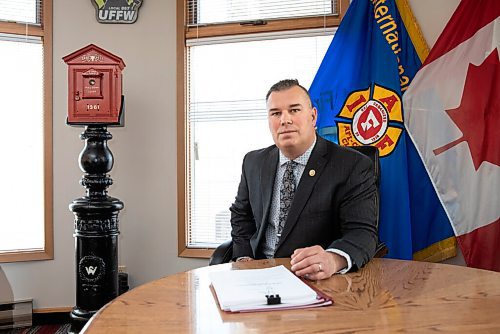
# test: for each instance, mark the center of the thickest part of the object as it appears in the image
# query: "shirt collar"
(302, 159)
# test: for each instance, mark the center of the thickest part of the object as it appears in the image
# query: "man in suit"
(304, 197)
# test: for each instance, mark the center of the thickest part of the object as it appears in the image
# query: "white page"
(246, 289)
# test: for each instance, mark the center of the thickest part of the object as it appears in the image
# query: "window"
(230, 53)
(26, 136)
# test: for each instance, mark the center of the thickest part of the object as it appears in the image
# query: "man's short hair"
(287, 84)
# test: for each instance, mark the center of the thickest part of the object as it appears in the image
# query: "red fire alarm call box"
(94, 87)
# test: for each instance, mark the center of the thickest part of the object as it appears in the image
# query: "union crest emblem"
(370, 117)
(117, 11)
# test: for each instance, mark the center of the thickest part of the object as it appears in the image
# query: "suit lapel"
(267, 176)
(316, 162)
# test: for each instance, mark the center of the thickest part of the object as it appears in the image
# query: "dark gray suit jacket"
(335, 208)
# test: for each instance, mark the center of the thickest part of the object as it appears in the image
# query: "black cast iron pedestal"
(96, 229)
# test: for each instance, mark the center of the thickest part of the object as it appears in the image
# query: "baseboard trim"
(53, 309)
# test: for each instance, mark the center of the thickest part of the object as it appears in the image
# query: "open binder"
(265, 289)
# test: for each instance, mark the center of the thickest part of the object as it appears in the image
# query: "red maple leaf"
(478, 115)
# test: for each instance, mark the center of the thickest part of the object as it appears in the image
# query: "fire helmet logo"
(365, 119)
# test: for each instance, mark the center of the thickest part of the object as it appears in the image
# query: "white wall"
(432, 16)
(144, 150)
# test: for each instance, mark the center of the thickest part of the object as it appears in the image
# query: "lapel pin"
(312, 172)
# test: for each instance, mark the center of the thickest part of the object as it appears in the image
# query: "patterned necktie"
(287, 191)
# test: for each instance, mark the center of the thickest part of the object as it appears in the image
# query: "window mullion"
(227, 29)
(21, 29)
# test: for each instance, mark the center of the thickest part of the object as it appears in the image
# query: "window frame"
(218, 30)
(45, 32)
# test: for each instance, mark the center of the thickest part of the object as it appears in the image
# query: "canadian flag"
(452, 114)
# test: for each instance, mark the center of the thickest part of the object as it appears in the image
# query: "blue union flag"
(358, 90)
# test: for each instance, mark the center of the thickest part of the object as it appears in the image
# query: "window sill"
(21, 256)
(200, 253)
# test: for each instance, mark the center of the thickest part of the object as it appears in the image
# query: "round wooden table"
(386, 296)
